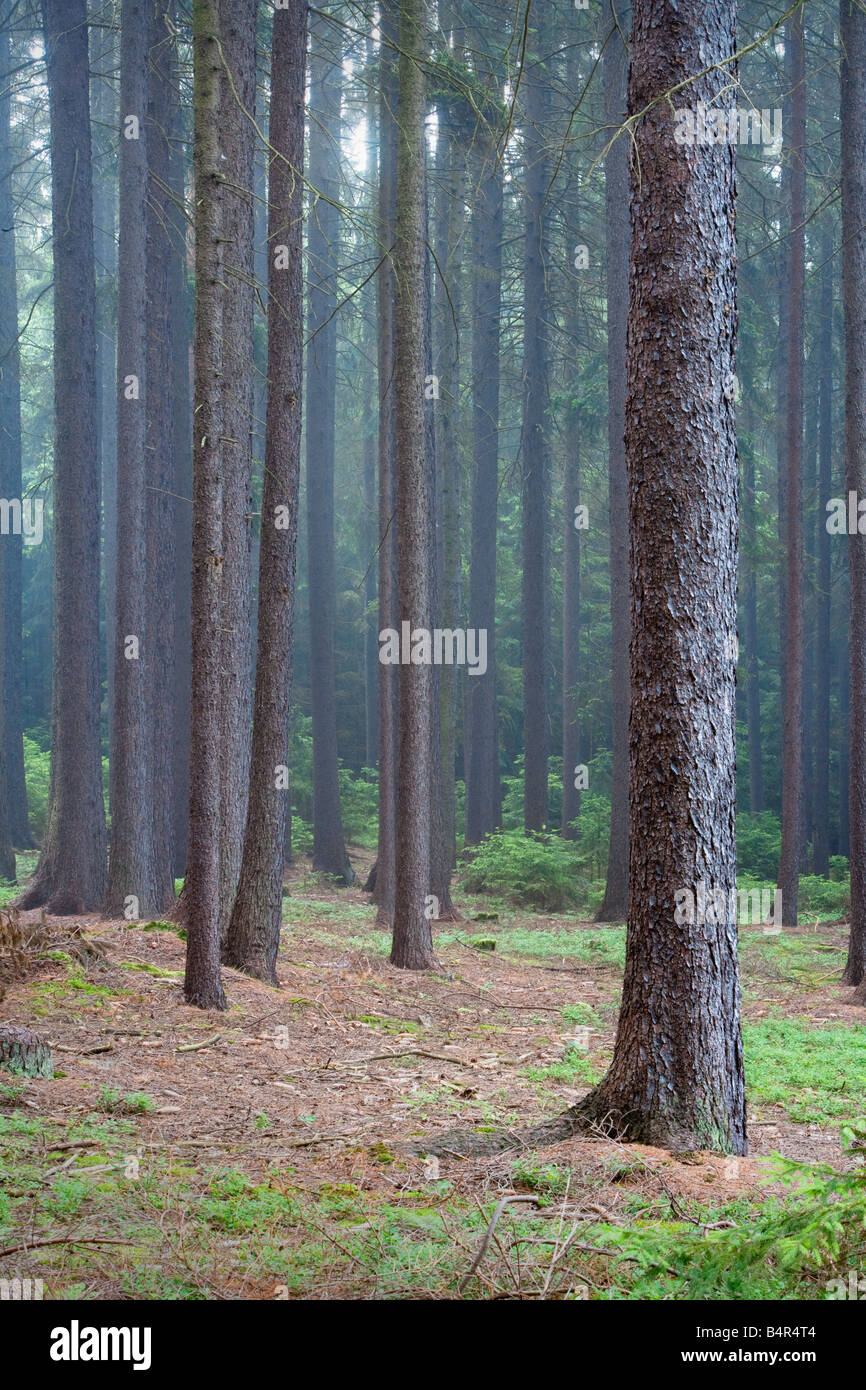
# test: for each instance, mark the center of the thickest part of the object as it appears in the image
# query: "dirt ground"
(334, 1077)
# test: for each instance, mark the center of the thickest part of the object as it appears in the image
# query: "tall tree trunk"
(70, 876)
(615, 74)
(15, 789)
(388, 523)
(132, 885)
(182, 435)
(412, 944)
(371, 644)
(237, 139)
(323, 234)
(254, 933)
(571, 518)
(202, 983)
(750, 634)
(792, 753)
(483, 800)
(821, 845)
(104, 97)
(535, 443)
(853, 141)
(676, 1079)
(165, 247)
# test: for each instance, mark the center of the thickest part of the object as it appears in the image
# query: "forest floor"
(264, 1152)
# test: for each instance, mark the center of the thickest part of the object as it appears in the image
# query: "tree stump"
(24, 1053)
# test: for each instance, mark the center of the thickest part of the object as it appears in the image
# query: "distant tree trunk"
(132, 887)
(15, 789)
(676, 1079)
(535, 447)
(412, 945)
(70, 876)
(483, 801)
(182, 433)
(104, 96)
(821, 845)
(202, 984)
(254, 933)
(323, 233)
(750, 635)
(165, 247)
(237, 139)
(388, 526)
(617, 235)
(792, 753)
(450, 201)
(853, 142)
(371, 643)
(571, 533)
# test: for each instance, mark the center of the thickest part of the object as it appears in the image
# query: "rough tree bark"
(535, 443)
(10, 462)
(676, 1079)
(385, 868)
(254, 933)
(853, 140)
(617, 237)
(165, 375)
(237, 144)
(412, 944)
(792, 751)
(70, 876)
(202, 983)
(323, 233)
(483, 798)
(132, 888)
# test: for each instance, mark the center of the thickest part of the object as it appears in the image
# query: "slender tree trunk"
(202, 984)
(104, 122)
(792, 753)
(853, 142)
(483, 800)
(385, 874)
(165, 247)
(615, 61)
(750, 635)
(70, 876)
(323, 223)
(254, 933)
(371, 644)
(412, 945)
(535, 446)
(237, 139)
(821, 846)
(571, 533)
(132, 888)
(10, 466)
(676, 1079)
(182, 432)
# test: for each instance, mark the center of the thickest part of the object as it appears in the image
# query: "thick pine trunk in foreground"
(323, 232)
(792, 749)
(70, 876)
(254, 932)
(853, 135)
(202, 983)
(676, 1079)
(412, 944)
(617, 236)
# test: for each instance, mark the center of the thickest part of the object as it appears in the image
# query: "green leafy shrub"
(529, 870)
